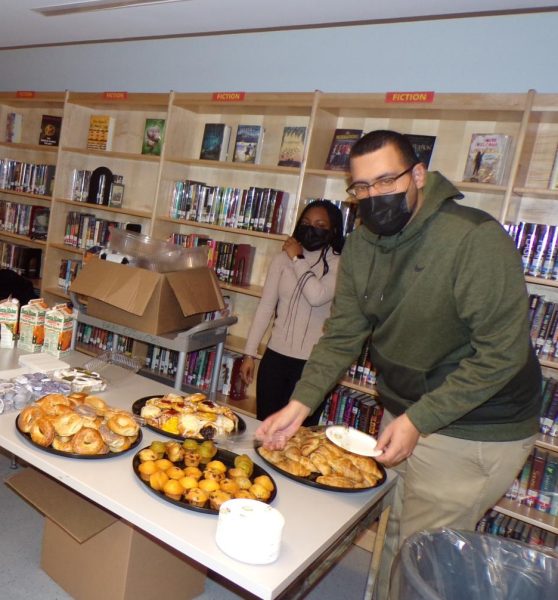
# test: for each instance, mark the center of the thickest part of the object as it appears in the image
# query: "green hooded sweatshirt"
(446, 303)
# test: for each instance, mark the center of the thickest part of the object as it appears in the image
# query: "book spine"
(537, 472)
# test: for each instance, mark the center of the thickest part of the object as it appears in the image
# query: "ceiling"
(21, 26)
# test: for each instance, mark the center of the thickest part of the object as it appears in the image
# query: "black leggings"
(277, 377)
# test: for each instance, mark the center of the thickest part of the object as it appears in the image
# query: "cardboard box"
(151, 302)
(92, 554)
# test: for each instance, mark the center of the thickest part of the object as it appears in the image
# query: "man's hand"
(276, 430)
(398, 440)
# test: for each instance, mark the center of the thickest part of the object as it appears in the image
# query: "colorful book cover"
(248, 144)
(291, 151)
(423, 145)
(100, 133)
(51, 126)
(341, 144)
(153, 136)
(215, 142)
(487, 158)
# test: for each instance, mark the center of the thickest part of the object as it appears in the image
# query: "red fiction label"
(115, 95)
(228, 96)
(25, 94)
(409, 97)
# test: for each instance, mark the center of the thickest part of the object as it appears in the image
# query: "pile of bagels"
(78, 424)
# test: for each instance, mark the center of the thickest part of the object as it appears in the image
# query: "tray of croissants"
(199, 476)
(310, 458)
(190, 416)
(78, 426)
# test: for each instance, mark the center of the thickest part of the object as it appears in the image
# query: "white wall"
(488, 54)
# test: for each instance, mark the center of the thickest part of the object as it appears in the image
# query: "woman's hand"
(247, 370)
(292, 247)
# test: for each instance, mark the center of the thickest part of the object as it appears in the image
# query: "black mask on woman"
(385, 215)
(311, 238)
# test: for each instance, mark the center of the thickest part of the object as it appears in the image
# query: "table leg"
(370, 591)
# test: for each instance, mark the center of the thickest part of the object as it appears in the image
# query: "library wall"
(485, 54)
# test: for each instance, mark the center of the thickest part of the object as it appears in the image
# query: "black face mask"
(311, 238)
(385, 215)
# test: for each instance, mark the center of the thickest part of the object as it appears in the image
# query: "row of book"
(24, 219)
(21, 259)
(100, 186)
(100, 340)
(231, 262)
(349, 212)
(29, 178)
(355, 409)
(502, 525)
(69, 268)
(84, 230)
(549, 409)
(538, 245)
(362, 370)
(49, 134)
(257, 209)
(543, 323)
(536, 485)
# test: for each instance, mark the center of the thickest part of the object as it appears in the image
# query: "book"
(13, 127)
(153, 136)
(50, 130)
(535, 479)
(423, 145)
(553, 181)
(291, 151)
(101, 132)
(38, 227)
(487, 160)
(340, 149)
(215, 142)
(248, 144)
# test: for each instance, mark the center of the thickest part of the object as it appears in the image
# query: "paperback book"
(101, 132)
(13, 127)
(488, 156)
(341, 144)
(553, 182)
(423, 145)
(292, 147)
(248, 144)
(153, 135)
(50, 130)
(215, 142)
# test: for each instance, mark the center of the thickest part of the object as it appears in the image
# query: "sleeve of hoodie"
(344, 335)
(491, 298)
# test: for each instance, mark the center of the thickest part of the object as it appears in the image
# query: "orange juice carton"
(59, 326)
(9, 316)
(32, 325)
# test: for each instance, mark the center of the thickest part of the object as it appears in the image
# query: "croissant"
(294, 468)
(320, 462)
(309, 446)
(273, 456)
(366, 465)
(344, 467)
(335, 481)
(293, 452)
(307, 463)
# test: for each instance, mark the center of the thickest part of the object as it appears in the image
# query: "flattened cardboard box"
(92, 554)
(147, 301)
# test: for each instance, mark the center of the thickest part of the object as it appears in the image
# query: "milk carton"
(59, 325)
(9, 314)
(32, 325)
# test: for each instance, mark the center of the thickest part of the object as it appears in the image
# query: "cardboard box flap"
(126, 288)
(198, 292)
(79, 517)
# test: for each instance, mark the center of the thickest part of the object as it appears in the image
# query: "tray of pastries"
(78, 426)
(200, 477)
(191, 416)
(310, 458)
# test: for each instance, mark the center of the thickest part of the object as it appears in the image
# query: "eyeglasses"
(385, 185)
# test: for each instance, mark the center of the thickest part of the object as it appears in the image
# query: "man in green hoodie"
(441, 288)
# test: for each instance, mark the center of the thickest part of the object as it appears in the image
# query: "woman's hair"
(335, 219)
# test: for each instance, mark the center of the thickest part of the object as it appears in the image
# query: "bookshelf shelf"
(33, 147)
(530, 515)
(249, 290)
(547, 442)
(539, 281)
(58, 292)
(66, 248)
(366, 389)
(111, 155)
(143, 214)
(537, 192)
(26, 196)
(22, 239)
(234, 166)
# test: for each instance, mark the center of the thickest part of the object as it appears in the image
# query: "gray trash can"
(460, 565)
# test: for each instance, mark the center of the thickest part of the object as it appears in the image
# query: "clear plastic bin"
(456, 565)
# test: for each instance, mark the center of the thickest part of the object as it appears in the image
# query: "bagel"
(62, 444)
(68, 424)
(28, 416)
(123, 424)
(42, 432)
(88, 441)
(97, 403)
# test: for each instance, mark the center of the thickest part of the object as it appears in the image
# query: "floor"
(21, 577)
